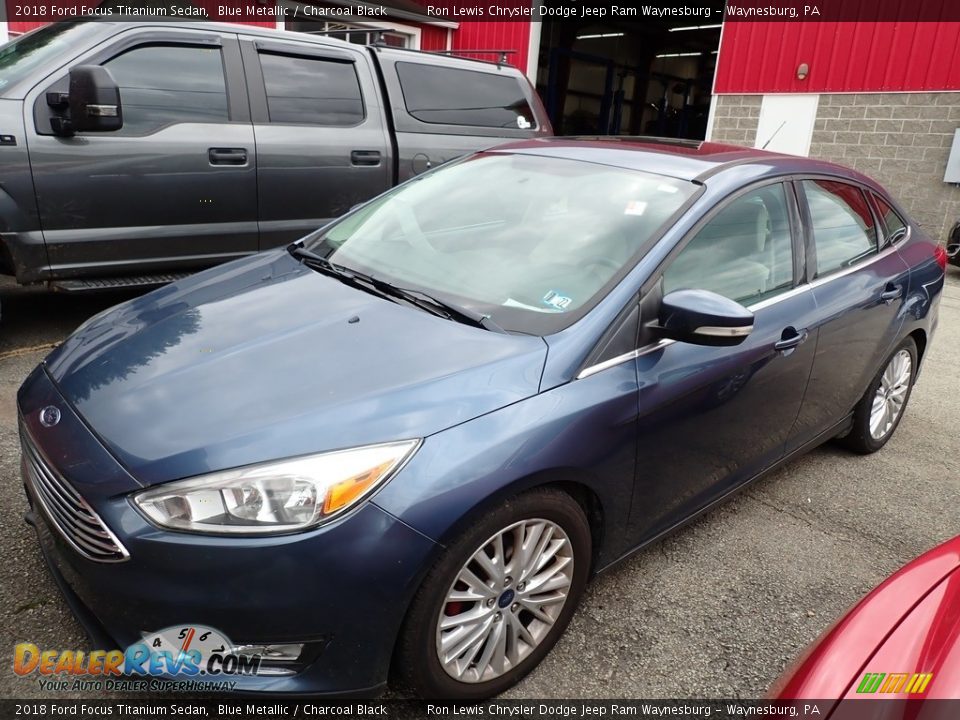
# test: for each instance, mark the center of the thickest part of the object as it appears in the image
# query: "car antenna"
(770, 140)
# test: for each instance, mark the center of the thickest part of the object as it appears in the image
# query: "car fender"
(578, 434)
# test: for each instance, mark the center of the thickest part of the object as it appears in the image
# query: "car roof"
(693, 160)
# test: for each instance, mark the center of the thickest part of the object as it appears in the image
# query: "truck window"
(311, 91)
(452, 96)
(165, 84)
(19, 57)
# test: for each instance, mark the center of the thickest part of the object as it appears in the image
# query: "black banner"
(704, 12)
(866, 709)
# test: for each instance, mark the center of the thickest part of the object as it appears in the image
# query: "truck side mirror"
(93, 102)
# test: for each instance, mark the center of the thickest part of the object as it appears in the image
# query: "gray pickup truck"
(133, 153)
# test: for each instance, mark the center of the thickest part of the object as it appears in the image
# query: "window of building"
(451, 96)
(843, 227)
(357, 34)
(165, 84)
(311, 91)
(745, 252)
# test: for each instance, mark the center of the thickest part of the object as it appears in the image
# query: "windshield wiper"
(417, 298)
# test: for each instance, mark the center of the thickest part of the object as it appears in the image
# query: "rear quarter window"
(894, 226)
(843, 226)
(453, 96)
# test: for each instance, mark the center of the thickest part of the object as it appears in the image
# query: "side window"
(744, 252)
(451, 96)
(843, 226)
(311, 91)
(165, 84)
(893, 225)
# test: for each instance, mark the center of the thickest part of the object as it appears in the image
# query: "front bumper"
(342, 588)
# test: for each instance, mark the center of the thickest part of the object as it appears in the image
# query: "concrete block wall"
(735, 119)
(900, 139)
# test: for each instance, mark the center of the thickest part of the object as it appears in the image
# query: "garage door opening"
(636, 76)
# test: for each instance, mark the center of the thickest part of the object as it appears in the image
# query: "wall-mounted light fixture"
(802, 71)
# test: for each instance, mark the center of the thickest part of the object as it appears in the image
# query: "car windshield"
(21, 56)
(532, 242)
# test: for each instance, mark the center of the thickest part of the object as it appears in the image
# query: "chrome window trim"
(793, 292)
(619, 359)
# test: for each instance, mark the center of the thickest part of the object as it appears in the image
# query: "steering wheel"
(601, 261)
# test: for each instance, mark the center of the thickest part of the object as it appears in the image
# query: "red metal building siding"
(492, 35)
(22, 26)
(762, 57)
(433, 38)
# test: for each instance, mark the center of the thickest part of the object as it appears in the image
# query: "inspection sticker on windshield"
(635, 207)
(556, 300)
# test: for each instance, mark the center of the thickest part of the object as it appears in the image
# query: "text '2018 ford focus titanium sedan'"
(401, 446)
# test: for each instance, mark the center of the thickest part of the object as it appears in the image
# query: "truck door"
(175, 187)
(322, 143)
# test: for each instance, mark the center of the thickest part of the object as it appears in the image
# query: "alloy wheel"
(505, 600)
(891, 394)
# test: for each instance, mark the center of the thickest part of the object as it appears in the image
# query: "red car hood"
(909, 624)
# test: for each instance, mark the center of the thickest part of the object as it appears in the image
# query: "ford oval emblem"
(49, 416)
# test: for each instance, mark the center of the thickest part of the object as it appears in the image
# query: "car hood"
(264, 359)
(907, 624)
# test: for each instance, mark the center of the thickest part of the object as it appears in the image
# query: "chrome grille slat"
(41, 466)
(51, 484)
(79, 534)
(66, 509)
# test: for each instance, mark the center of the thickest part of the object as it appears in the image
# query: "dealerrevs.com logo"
(184, 657)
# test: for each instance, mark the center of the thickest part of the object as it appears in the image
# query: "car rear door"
(322, 140)
(860, 290)
(175, 187)
(711, 418)
(443, 108)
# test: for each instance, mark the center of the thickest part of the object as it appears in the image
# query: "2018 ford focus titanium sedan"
(401, 446)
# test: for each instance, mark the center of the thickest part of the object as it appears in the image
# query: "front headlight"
(276, 497)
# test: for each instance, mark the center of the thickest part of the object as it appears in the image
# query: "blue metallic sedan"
(399, 448)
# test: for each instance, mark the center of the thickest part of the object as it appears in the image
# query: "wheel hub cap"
(504, 601)
(891, 394)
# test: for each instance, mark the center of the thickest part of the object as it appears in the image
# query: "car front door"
(322, 141)
(860, 292)
(175, 187)
(711, 418)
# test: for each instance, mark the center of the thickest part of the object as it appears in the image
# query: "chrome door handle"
(790, 341)
(891, 293)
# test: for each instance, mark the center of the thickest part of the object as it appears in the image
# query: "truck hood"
(264, 359)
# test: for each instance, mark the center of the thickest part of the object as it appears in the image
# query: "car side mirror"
(93, 102)
(701, 317)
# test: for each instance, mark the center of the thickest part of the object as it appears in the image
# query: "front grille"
(67, 511)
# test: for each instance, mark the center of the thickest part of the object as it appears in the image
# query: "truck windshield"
(532, 242)
(20, 57)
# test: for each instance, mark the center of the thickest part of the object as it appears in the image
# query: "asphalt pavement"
(716, 610)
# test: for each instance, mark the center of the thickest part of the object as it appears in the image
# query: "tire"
(502, 608)
(864, 439)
